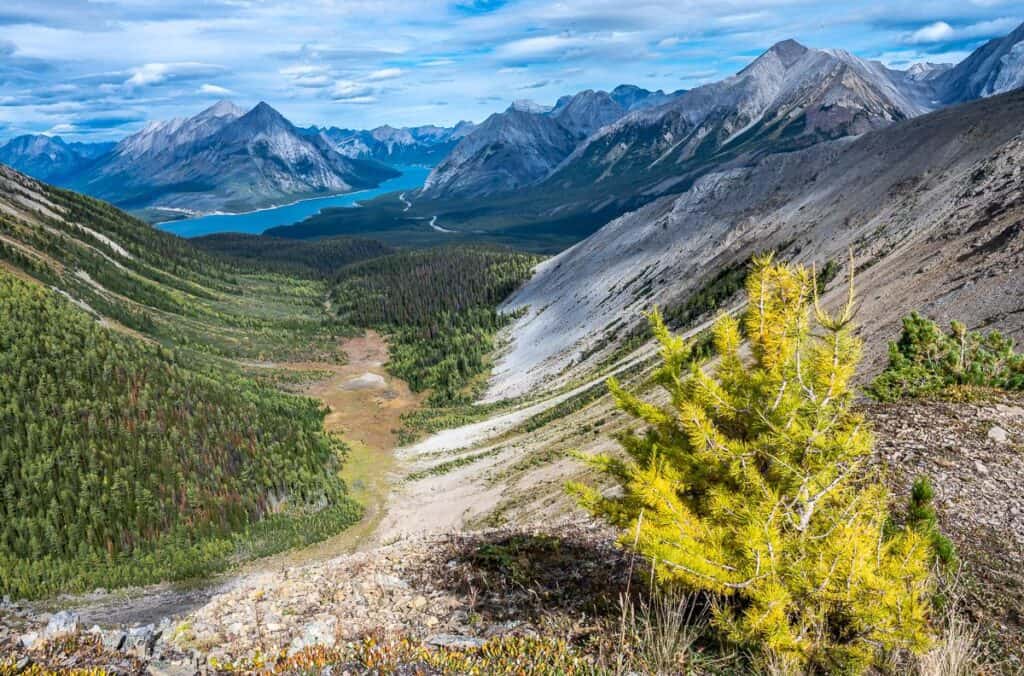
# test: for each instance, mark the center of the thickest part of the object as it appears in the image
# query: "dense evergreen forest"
(438, 307)
(307, 258)
(110, 446)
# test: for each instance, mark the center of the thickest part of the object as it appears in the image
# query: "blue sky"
(96, 70)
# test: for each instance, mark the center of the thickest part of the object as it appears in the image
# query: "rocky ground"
(444, 591)
(973, 453)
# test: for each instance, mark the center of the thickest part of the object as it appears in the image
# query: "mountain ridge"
(912, 201)
(49, 158)
(221, 159)
(424, 144)
(486, 160)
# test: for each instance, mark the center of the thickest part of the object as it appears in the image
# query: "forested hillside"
(307, 258)
(439, 308)
(120, 465)
(132, 450)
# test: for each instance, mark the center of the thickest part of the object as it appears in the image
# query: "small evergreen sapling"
(750, 486)
(921, 516)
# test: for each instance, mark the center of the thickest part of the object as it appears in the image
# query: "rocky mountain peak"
(788, 51)
(527, 106)
(222, 108)
(264, 113)
(921, 72)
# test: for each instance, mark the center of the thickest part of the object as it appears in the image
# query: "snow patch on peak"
(922, 72)
(528, 106)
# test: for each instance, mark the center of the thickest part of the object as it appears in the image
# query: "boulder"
(28, 640)
(64, 622)
(113, 639)
(319, 632)
(140, 640)
(998, 434)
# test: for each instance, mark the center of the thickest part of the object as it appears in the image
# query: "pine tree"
(750, 486)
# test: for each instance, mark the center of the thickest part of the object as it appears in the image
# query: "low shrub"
(927, 361)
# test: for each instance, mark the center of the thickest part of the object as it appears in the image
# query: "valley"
(724, 379)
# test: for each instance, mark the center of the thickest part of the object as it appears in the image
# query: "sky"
(95, 70)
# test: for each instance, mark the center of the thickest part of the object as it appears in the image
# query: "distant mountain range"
(428, 144)
(789, 97)
(567, 168)
(524, 143)
(223, 159)
(50, 158)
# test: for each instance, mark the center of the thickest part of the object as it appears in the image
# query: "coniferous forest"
(120, 464)
(439, 307)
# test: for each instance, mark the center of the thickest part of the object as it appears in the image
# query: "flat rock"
(367, 381)
(454, 641)
(320, 632)
(64, 622)
(998, 434)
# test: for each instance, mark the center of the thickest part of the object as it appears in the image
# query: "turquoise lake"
(255, 222)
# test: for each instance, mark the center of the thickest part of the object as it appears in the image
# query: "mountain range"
(543, 178)
(526, 141)
(789, 97)
(222, 159)
(50, 158)
(427, 144)
(558, 171)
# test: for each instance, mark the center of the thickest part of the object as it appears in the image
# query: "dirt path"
(366, 405)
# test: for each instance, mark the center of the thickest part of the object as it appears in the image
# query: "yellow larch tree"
(750, 485)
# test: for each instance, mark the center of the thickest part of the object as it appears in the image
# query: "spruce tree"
(750, 486)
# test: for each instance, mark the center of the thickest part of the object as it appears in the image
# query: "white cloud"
(383, 74)
(302, 69)
(347, 90)
(358, 100)
(567, 46)
(940, 31)
(935, 32)
(156, 73)
(216, 90)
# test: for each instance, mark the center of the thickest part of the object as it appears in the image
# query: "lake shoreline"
(257, 221)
